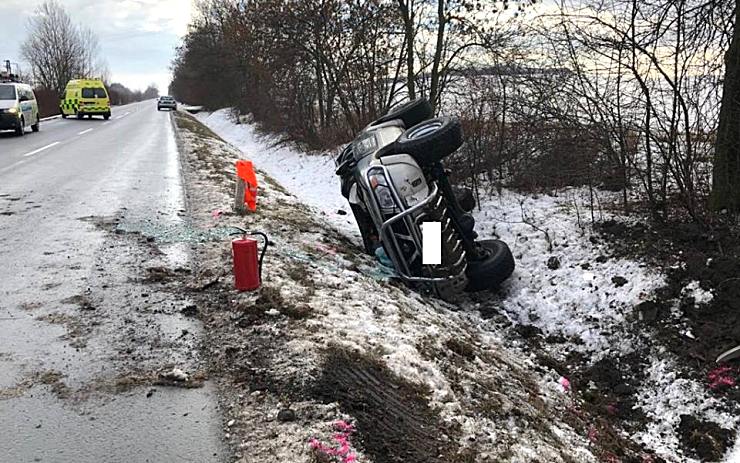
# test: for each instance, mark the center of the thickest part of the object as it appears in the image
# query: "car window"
(98, 92)
(7, 92)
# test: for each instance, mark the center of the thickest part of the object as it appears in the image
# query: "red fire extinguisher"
(247, 267)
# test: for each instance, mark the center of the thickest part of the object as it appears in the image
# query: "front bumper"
(9, 121)
(167, 105)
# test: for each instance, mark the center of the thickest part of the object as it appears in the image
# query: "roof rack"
(6, 75)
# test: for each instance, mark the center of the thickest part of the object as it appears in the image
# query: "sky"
(137, 37)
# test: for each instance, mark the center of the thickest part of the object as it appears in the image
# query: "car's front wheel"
(106, 116)
(21, 129)
(496, 265)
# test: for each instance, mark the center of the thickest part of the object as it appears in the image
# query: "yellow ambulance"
(85, 97)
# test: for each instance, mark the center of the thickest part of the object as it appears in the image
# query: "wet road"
(78, 327)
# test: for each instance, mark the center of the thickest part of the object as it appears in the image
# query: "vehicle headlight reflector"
(382, 191)
(13, 110)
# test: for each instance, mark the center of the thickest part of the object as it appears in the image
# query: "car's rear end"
(94, 101)
(166, 102)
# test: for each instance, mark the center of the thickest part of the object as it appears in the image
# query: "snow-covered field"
(583, 296)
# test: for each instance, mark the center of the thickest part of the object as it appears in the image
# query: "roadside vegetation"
(601, 143)
(620, 95)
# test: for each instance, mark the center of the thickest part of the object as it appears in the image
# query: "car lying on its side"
(166, 102)
(394, 178)
(18, 108)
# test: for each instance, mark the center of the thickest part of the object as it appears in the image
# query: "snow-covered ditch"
(564, 284)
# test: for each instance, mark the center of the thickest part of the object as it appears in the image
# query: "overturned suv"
(393, 177)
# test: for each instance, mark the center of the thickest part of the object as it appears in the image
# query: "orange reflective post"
(245, 171)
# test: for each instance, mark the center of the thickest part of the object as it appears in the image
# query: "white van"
(18, 108)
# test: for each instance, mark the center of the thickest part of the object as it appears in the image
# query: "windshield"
(7, 92)
(94, 93)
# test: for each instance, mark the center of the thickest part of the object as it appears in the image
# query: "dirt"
(687, 252)
(393, 418)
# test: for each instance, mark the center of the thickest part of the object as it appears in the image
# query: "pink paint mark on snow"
(721, 377)
(342, 452)
(564, 383)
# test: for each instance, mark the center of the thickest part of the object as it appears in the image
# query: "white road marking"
(106, 122)
(123, 115)
(84, 132)
(41, 149)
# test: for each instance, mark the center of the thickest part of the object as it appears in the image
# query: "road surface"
(82, 331)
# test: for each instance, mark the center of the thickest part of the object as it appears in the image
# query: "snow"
(701, 296)
(579, 300)
(310, 177)
(665, 397)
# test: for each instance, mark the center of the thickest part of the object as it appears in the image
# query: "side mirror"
(23, 98)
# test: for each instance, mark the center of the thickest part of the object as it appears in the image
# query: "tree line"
(635, 96)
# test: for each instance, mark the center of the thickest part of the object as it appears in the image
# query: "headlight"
(382, 192)
(12, 110)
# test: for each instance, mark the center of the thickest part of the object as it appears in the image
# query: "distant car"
(18, 108)
(85, 97)
(166, 102)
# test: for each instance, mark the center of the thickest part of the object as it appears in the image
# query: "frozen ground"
(568, 290)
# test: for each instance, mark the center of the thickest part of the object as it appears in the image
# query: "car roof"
(85, 82)
(17, 84)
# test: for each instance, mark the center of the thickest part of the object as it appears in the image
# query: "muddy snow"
(558, 365)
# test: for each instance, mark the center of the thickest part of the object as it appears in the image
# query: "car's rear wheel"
(106, 116)
(411, 112)
(79, 115)
(490, 271)
(428, 142)
(35, 127)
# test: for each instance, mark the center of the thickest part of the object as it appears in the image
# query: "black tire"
(64, 116)
(429, 141)
(464, 198)
(89, 116)
(158, 108)
(21, 130)
(79, 115)
(490, 272)
(106, 116)
(370, 239)
(35, 127)
(411, 113)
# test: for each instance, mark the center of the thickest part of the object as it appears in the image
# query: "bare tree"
(58, 50)
(726, 180)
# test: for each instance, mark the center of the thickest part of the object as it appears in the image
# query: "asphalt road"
(77, 322)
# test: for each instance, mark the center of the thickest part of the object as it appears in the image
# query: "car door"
(26, 103)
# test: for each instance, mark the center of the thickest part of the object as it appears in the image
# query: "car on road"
(85, 97)
(18, 108)
(166, 102)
